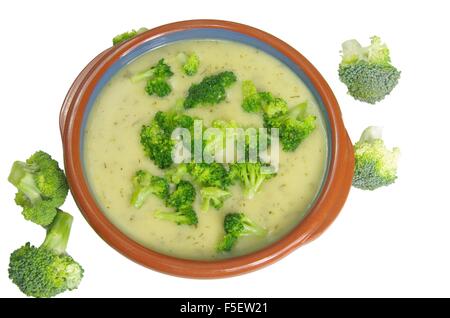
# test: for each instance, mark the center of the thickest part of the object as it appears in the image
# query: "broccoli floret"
(170, 120)
(209, 174)
(184, 195)
(47, 270)
(237, 225)
(272, 106)
(184, 215)
(375, 165)
(251, 176)
(190, 63)
(145, 184)
(367, 71)
(210, 91)
(177, 173)
(251, 101)
(215, 145)
(156, 77)
(157, 145)
(156, 137)
(127, 35)
(213, 196)
(42, 187)
(294, 126)
(254, 101)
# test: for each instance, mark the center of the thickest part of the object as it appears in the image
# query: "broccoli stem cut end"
(58, 233)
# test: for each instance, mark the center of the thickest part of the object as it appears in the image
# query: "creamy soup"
(113, 152)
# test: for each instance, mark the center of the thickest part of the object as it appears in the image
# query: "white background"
(391, 242)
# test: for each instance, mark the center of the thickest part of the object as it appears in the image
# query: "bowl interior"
(204, 34)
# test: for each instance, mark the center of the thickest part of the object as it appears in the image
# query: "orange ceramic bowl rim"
(331, 199)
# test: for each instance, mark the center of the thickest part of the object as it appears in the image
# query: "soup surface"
(113, 152)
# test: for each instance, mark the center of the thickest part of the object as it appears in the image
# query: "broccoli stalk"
(237, 225)
(375, 165)
(47, 270)
(251, 176)
(42, 187)
(210, 91)
(367, 71)
(145, 184)
(213, 196)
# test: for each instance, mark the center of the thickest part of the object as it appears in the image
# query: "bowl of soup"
(105, 111)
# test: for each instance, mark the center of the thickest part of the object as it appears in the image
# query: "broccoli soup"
(181, 210)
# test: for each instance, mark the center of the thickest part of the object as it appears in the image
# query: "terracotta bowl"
(87, 85)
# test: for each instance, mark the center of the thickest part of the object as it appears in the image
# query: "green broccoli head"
(237, 225)
(184, 195)
(251, 176)
(254, 101)
(212, 196)
(157, 145)
(294, 126)
(42, 187)
(118, 39)
(184, 215)
(367, 71)
(251, 101)
(210, 91)
(209, 174)
(145, 184)
(47, 270)
(375, 165)
(156, 78)
(156, 138)
(190, 63)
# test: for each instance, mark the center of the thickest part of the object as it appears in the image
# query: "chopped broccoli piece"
(367, 71)
(272, 106)
(251, 176)
(156, 77)
(157, 145)
(210, 91)
(156, 137)
(184, 195)
(215, 145)
(375, 165)
(145, 184)
(237, 225)
(209, 175)
(177, 173)
(42, 187)
(294, 126)
(254, 101)
(158, 86)
(47, 270)
(251, 101)
(118, 39)
(191, 63)
(184, 215)
(213, 196)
